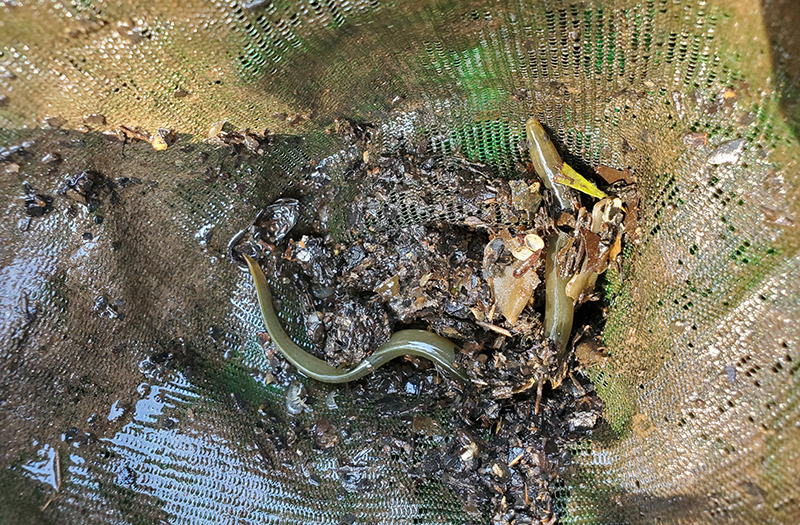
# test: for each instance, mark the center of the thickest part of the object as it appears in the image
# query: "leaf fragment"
(569, 177)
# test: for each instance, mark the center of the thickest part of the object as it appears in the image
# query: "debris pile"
(497, 266)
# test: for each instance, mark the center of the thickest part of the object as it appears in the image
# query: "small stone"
(582, 420)
(727, 153)
(54, 122)
(51, 158)
(695, 140)
(3, 101)
(163, 139)
(218, 127)
(95, 119)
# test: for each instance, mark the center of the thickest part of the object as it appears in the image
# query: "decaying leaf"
(569, 177)
(511, 294)
(390, 287)
(594, 251)
(504, 255)
(611, 175)
(593, 248)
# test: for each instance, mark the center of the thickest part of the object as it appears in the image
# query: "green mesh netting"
(133, 388)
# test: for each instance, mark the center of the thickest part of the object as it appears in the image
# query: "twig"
(538, 397)
(494, 328)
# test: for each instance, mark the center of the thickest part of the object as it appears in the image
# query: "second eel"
(404, 342)
(556, 175)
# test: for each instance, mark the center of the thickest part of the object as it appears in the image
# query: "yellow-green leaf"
(569, 177)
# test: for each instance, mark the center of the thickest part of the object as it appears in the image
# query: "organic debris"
(36, 204)
(611, 175)
(79, 187)
(223, 133)
(163, 139)
(268, 228)
(441, 244)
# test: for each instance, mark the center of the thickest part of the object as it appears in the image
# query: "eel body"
(546, 161)
(404, 342)
(554, 172)
(559, 307)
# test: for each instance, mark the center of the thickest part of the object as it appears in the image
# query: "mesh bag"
(133, 388)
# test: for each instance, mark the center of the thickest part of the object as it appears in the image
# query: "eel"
(554, 172)
(546, 161)
(559, 307)
(419, 343)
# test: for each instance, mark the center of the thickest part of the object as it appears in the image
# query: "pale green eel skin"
(558, 309)
(405, 342)
(546, 161)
